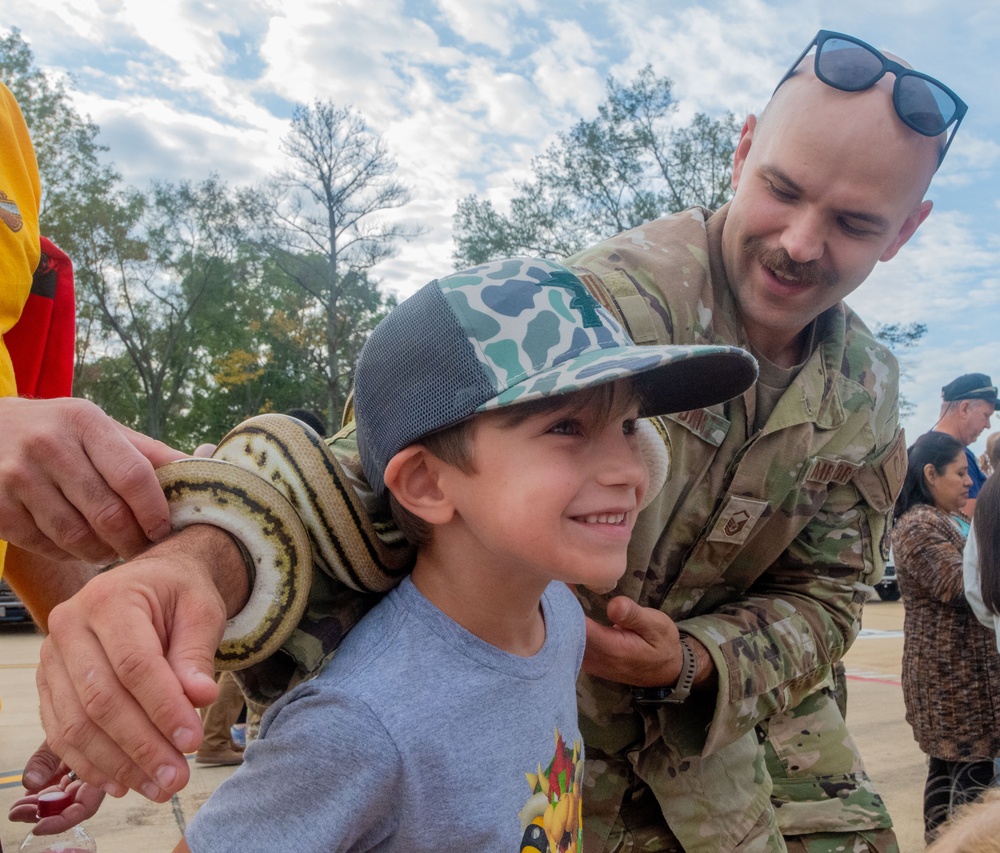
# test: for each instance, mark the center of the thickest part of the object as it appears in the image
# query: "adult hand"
(130, 657)
(45, 765)
(641, 647)
(76, 484)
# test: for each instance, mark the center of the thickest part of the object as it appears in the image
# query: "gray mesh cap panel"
(416, 374)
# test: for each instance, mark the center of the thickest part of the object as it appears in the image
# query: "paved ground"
(134, 825)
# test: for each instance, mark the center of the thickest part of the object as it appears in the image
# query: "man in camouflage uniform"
(761, 549)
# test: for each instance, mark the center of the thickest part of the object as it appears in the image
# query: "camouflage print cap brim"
(539, 332)
(507, 332)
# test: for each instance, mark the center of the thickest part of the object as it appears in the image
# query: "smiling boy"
(499, 407)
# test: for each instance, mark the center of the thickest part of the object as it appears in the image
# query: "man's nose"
(804, 236)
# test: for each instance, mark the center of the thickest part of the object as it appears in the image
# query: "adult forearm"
(216, 554)
(41, 583)
(773, 647)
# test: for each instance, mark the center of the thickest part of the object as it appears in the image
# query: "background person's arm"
(42, 583)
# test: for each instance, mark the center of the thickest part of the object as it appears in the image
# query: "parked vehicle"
(11, 608)
(888, 587)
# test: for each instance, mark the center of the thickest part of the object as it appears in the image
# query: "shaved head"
(868, 116)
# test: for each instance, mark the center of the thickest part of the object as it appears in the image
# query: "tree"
(898, 336)
(166, 278)
(328, 207)
(66, 147)
(618, 170)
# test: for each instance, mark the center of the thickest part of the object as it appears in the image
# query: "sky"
(465, 93)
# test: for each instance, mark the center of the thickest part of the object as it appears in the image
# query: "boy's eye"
(567, 426)
(630, 426)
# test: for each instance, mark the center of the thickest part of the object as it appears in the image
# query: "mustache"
(778, 260)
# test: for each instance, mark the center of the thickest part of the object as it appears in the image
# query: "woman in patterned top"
(951, 668)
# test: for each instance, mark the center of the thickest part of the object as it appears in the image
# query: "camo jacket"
(761, 546)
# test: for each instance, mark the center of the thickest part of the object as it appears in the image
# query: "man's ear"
(742, 149)
(414, 477)
(910, 226)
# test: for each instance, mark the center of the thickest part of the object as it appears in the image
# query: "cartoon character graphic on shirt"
(552, 818)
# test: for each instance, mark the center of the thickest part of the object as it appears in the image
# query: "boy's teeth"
(606, 518)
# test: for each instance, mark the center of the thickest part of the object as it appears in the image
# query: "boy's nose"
(622, 463)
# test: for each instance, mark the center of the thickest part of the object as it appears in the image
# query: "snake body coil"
(275, 486)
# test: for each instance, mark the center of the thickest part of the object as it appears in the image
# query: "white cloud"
(947, 270)
(491, 23)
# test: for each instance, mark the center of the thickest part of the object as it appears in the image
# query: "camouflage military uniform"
(762, 546)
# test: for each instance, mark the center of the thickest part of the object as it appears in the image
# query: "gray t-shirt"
(418, 736)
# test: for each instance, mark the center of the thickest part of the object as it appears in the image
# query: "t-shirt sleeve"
(323, 776)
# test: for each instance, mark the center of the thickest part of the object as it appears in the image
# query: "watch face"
(655, 695)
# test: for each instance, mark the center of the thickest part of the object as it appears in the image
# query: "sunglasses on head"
(849, 64)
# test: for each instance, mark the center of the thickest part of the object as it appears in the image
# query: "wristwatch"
(644, 696)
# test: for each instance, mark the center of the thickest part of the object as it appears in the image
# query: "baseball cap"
(971, 386)
(507, 332)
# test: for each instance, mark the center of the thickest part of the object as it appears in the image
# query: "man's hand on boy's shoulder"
(130, 657)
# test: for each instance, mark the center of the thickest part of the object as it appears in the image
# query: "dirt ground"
(876, 718)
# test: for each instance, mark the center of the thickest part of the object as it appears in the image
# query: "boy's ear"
(414, 477)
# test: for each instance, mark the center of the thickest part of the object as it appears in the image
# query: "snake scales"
(297, 507)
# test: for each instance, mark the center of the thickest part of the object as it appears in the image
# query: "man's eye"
(853, 230)
(780, 194)
(630, 426)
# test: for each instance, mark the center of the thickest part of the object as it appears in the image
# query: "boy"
(499, 407)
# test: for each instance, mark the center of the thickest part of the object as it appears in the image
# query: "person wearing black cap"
(966, 406)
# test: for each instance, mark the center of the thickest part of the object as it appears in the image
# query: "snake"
(297, 504)
(294, 507)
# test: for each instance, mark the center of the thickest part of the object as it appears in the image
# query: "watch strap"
(644, 696)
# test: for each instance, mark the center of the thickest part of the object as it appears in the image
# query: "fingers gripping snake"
(297, 507)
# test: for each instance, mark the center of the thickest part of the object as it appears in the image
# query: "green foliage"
(899, 336)
(74, 180)
(322, 225)
(625, 167)
(161, 290)
(199, 305)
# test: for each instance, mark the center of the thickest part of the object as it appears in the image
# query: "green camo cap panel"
(525, 316)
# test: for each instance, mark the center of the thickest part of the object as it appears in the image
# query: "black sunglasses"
(923, 104)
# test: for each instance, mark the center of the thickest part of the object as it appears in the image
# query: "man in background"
(967, 403)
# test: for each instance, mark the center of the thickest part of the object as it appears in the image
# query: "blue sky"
(465, 93)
